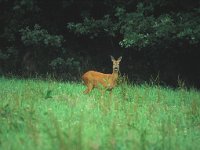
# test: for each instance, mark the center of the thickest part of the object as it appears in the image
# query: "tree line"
(64, 38)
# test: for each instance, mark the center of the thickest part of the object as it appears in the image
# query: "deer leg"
(110, 93)
(89, 88)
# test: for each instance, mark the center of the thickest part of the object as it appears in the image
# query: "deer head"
(116, 63)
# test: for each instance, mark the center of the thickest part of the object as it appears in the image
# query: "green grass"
(45, 115)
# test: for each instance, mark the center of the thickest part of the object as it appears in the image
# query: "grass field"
(50, 115)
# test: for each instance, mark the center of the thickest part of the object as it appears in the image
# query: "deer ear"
(119, 59)
(112, 58)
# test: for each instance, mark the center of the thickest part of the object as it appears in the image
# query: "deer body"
(94, 79)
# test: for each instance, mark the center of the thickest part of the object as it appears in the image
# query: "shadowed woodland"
(47, 46)
(158, 39)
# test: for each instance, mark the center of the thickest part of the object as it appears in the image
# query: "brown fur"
(94, 79)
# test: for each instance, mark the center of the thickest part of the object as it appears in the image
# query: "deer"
(94, 79)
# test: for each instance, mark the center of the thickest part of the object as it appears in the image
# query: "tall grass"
(41, 115)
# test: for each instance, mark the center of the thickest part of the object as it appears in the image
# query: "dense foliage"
(156, 38)
(142, 28)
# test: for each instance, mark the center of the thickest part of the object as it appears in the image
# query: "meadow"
(52, 115)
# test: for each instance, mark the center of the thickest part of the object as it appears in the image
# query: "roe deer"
(108, 81)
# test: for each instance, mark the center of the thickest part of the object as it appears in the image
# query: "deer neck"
(115, 75)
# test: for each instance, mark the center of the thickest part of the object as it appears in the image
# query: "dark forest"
(159, 40)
